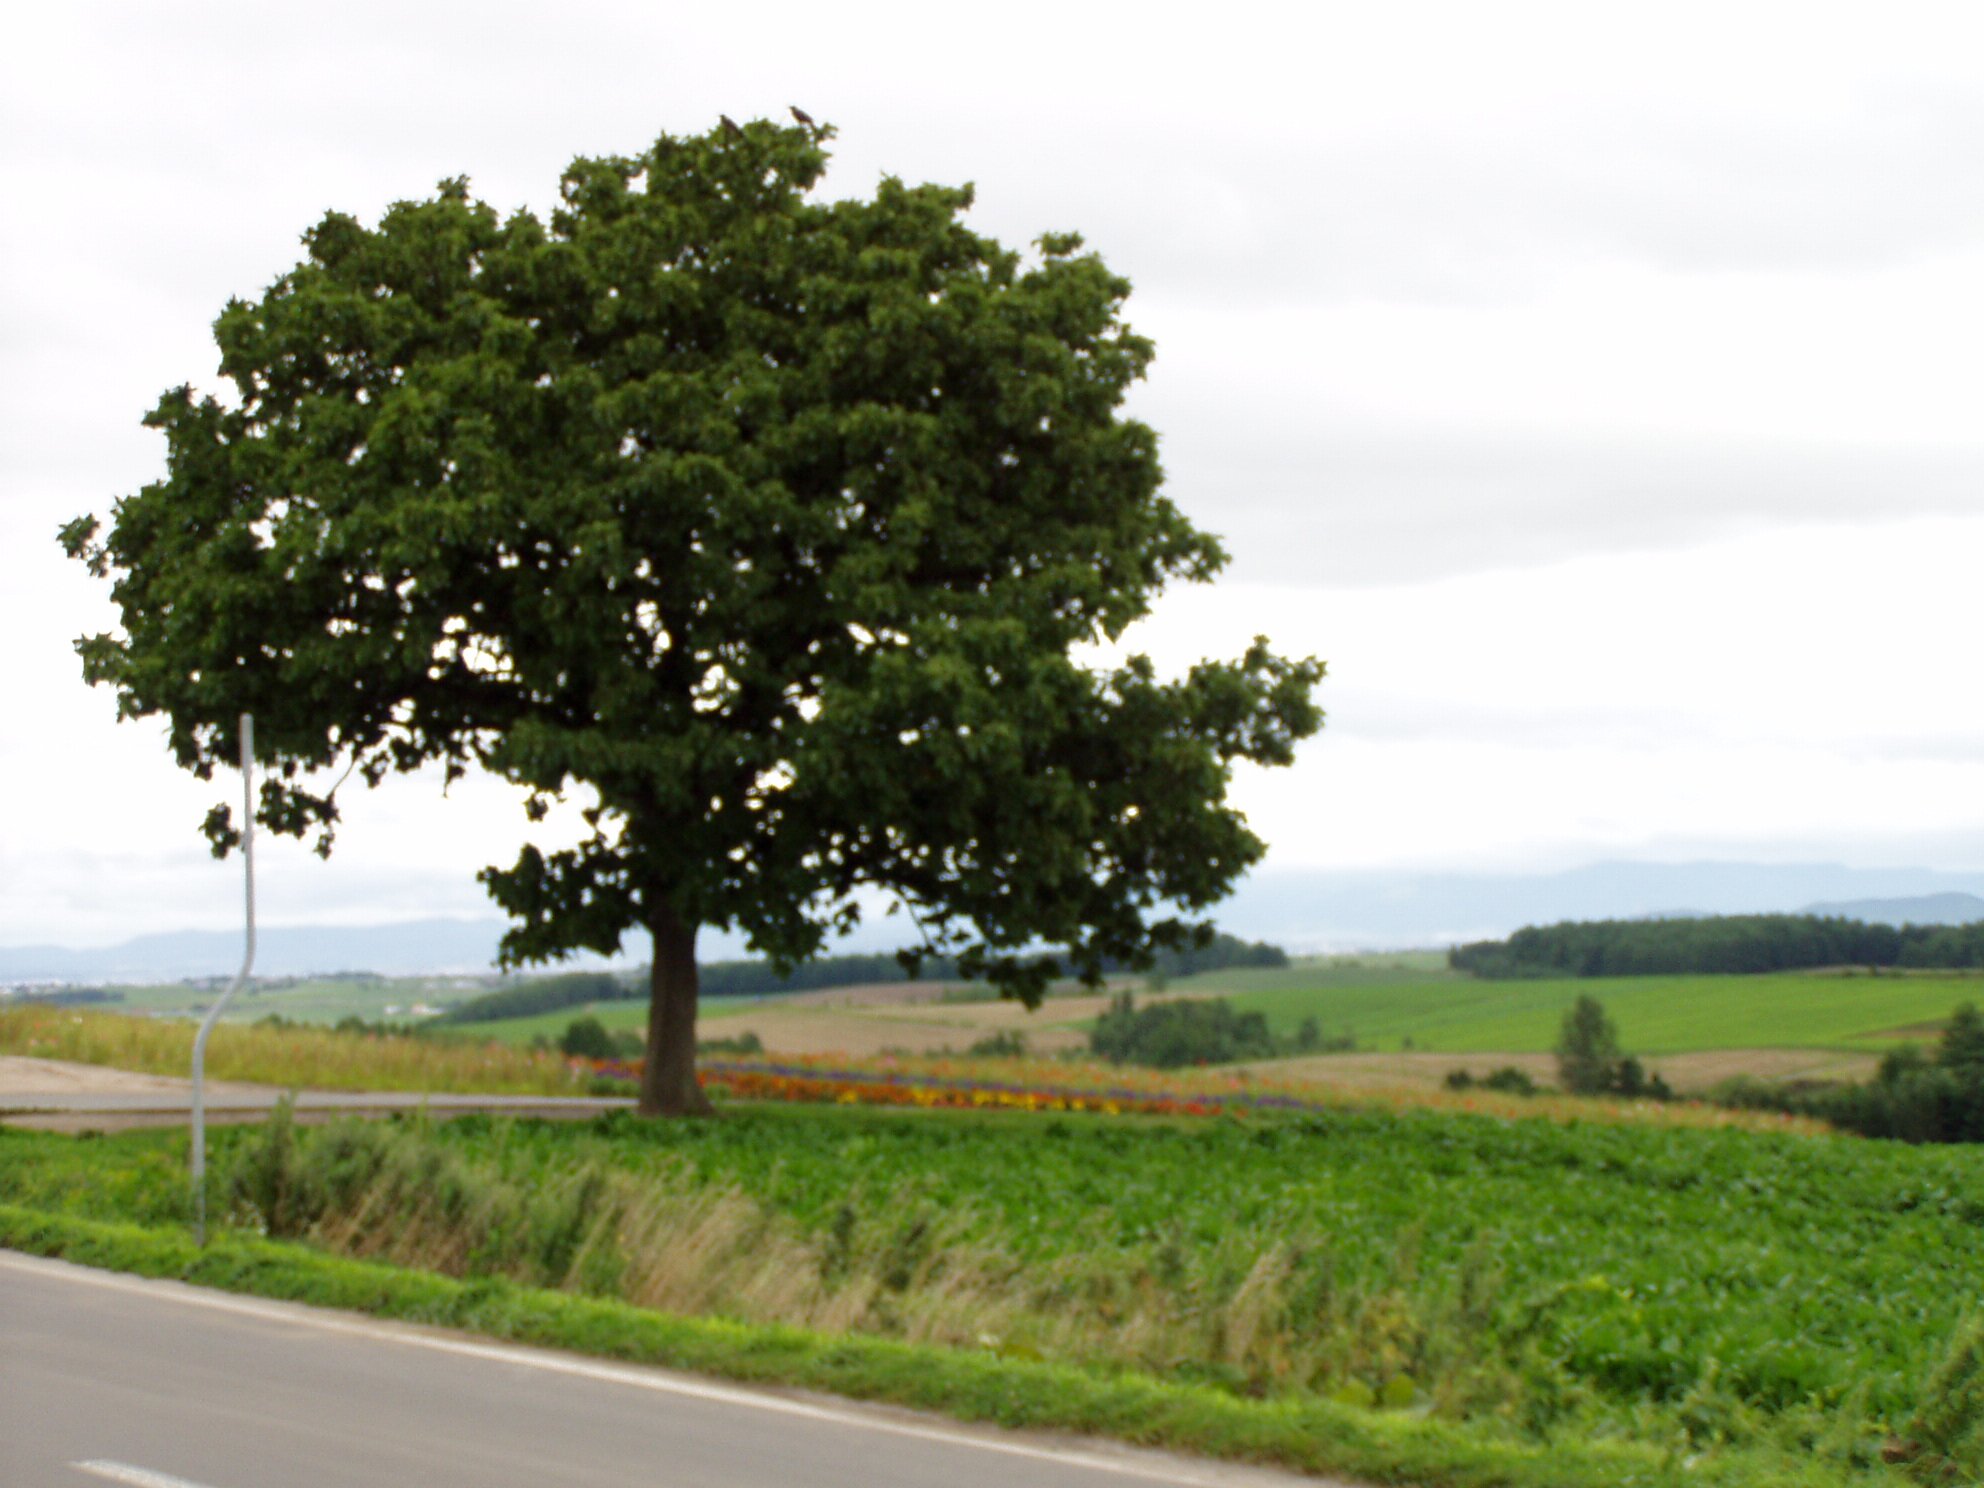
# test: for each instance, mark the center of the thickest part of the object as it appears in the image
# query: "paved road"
(107, 1378)
(70, 1097)
(117, 1110)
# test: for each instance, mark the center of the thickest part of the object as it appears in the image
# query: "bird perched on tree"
(801, 115)
(729, 124)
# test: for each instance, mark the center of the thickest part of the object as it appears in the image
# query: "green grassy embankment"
(1537, 1303)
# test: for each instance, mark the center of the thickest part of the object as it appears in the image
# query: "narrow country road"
(60, 1096)
(108, 1378)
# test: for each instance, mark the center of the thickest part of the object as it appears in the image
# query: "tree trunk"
(668, 1078)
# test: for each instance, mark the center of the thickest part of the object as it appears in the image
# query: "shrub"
(1634, 1081)
(1310, 1039)
(1004, 1043)
(586, 1038)
(1508, 1079)
(1962, 1047)
(1169, 1035)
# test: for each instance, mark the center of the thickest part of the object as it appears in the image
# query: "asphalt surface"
(117, 1110)
(107, 1378)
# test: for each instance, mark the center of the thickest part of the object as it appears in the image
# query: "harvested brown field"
(1687, 1073)
(911, 1017)
(798, 1030)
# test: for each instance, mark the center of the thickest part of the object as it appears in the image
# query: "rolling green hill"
(1655, 1015)
(1385, 1000)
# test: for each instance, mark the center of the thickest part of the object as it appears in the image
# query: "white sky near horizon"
(1596, 388)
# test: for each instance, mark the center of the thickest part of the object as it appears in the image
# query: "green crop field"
(1655, 1015)
(1701, 1291)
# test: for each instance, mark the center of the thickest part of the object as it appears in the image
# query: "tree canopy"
(772, 524)
(1587, 1047)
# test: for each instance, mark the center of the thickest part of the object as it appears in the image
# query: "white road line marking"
(295, 1314)
(137, 1477)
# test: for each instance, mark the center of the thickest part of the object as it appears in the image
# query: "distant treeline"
(1916, 1097)
(757, 978)
(1716, 944)
(1222, 953)
(70, 996)
(760, 978)
(540, 995)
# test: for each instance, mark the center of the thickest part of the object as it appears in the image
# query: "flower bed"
(798, 1082)
(939, 1082)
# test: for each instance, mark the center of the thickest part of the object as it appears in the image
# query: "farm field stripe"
(294, 1314)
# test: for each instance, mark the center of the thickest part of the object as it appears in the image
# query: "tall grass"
(1256, 1318)
(289, 1057)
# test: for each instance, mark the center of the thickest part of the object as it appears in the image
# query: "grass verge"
(1306, 1434)
(290, 1057)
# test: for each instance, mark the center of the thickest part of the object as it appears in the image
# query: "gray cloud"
(1385, 716)
(1491, 214)
(1220, 163)
(1357, 507)
(1438, 289)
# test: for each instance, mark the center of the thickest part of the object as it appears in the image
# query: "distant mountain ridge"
(1922, 909)
(1296, 908)
(409, 948)
(1308, 909)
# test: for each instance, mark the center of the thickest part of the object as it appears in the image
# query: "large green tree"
(773, 525)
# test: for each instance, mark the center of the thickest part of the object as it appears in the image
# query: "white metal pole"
(240, 980)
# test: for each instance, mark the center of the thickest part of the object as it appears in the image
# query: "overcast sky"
(1597, 388)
